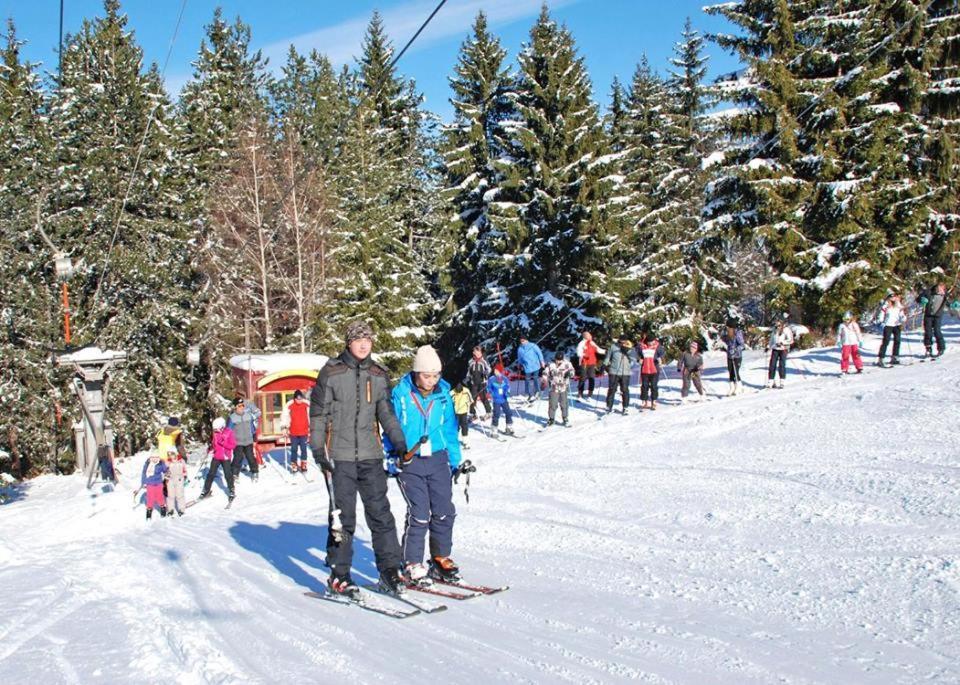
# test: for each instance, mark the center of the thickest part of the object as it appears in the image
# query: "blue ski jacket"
(433, 416)
(530, 357)
(499, 389)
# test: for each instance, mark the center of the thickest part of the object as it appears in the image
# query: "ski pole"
(136, 493)
(336, 526)
(465, 469)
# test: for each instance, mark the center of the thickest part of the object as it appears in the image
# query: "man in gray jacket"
(619, 365)
(348, 405)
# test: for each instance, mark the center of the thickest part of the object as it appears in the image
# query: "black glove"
(322, 459)
(466, 466)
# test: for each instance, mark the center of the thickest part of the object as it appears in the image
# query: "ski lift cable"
(136, 162)
(436, 9)
(312, 164)
(831, 87)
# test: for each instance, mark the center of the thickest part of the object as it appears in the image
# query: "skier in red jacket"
(296, 420)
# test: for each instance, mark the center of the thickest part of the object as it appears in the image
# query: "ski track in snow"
(804, 535)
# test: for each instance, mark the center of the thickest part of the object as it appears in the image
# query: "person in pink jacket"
(222, 447)
(849, 339)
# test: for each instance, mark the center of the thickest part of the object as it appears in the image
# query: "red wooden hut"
(269, 381)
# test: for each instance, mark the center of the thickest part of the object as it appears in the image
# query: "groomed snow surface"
(804, 535)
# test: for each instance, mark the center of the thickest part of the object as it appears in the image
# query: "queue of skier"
(356, 422)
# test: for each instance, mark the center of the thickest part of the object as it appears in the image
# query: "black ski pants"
(241, 452)
(648, 386)
(479, 393)
(463, 422)
(888, 333)
(622, 382)
(370, 480)
(588, 376)
(733, 368)
(931, 330)
(778, 362)
(215, 464)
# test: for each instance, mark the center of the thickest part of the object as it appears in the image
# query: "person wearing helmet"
(222, 447)
(849, 339)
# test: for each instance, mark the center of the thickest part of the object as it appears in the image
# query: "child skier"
(154, 471)
(222, 447)
(691, 368)
(559, 374)
(295, 420)
(425, 409)
(849, 339)
(176, 476)
(499, 389)
(462, 401)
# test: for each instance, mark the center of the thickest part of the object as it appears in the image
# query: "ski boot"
(445, 570)
(416, 574)
(508, 430)
(894, 361)
(303, 466)
(256, 476)
(163, 512)
(549, 422)
(204, 495)
(391, 582)
(149, 514)
(343, 585)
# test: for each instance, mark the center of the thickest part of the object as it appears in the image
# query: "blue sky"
(612, 35)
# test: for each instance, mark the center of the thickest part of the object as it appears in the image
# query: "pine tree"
(224, 98)
(381, 275)
(30, 313)
(754, 196)
(681, 274)
(555, 285)
(639, 164)
(474, 146)
(117, 211)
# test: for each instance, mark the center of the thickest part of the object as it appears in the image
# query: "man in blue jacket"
(424, 406)
(530, 360)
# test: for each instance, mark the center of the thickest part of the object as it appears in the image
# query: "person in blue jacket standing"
(530, 360)
(424, 406)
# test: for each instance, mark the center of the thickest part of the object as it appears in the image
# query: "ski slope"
(804, 535)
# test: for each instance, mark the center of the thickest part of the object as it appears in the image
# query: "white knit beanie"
(219, 424)
(427, 360)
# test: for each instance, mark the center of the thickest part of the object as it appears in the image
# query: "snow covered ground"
(804, 535)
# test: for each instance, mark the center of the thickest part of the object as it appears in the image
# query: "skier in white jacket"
(781, 338)
(892, 316)
(849, 339)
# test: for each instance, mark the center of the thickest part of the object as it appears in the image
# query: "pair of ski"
(200, 499)
(558, 425)
(367, 602)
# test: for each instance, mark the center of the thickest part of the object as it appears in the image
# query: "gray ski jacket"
(349, 403)
(620, 360)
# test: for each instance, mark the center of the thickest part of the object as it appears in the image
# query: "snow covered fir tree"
(267, 205)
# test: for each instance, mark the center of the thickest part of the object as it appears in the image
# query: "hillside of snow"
(803, 535)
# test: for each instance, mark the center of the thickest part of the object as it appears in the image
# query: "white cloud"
(343, 42)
